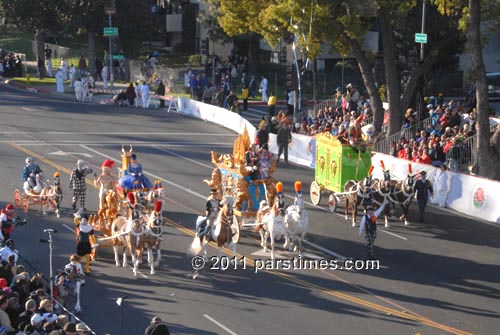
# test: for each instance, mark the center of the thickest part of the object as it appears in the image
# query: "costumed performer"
(264, 162)
(212, 208)
(105, 182)
(77, 183)
(369, 225)
(85, 239)
(134, 171)
(6, 215)
(28, 177)
(75, 273)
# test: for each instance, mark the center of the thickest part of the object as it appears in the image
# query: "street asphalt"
(439, 277)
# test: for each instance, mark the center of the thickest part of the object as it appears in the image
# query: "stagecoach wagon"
(336, 164)
(234, 178)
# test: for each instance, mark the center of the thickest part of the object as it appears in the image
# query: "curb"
(28, 88)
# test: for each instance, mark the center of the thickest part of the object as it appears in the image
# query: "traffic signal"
(204, 46)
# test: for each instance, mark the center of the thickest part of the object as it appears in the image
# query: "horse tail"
(195, 247)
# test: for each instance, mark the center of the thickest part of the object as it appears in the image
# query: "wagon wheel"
(315, 193)
(332, 203)
(17, 198)
(26, 205)
(236, 228)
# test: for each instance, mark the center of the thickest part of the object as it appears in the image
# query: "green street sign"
(110, 31)
(118, 57)
(420, 38)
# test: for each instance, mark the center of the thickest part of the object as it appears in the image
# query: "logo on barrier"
(310, 146)
(478, 197)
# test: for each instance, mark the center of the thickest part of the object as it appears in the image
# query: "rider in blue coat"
(134, 173)
(30, 171)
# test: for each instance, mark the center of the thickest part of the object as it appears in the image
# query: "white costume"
(49, 68)
(76, 266)
(145, 95)
(263, 89)
(137, 94)
(78, 90)
(72, 75)
(85, 83)
(64, 67)
(442, 188)
(104, 75)
(60, 81)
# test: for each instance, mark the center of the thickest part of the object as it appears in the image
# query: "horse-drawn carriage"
(345, 171)
(336, 164)
(236, 177)
(47, 196)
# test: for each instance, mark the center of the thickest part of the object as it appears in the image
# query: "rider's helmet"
(9, 207)
(56, 174)
(279, 188)
(30, 160)
(298, 187)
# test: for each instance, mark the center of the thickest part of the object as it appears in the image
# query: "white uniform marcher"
(72, 75)
(137, 94)
(64, 67)
(85, 83)
(78, 90)
(442, 186)
(104, 75)
(145, 95)
(49, 68)
(263, 88)
(60, 81)
(79, 270)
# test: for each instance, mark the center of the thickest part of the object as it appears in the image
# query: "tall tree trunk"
(91, 54)
(40, 43)
(315, 78)
(391, 73)
(254, 53)
(366, 72)
(488, 155)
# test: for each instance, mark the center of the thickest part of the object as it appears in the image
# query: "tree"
(41, 17)
(488, 146)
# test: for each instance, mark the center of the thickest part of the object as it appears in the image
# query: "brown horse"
(221, 232)
(356, 193)
(51, 197)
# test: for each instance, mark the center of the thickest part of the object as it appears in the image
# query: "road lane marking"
(180, 156)
(393, 234)
(337, 294)
(211, 319)
(102, 144)
(325, 250)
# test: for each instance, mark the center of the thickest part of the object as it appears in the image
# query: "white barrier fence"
(470, 195)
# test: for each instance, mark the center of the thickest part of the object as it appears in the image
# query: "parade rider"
(77, 183)
(134, 173)
(29, 175)
(279, 205)
(212, 209)
(85, 239)
(105, 182)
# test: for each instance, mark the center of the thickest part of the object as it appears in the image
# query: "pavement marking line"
(211, 319)
(393, 234)
(75, 142)
(180, 156)
(325, 250)
(121, 133)
(333, 293)
(337, 294)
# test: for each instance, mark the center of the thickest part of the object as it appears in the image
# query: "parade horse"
(107, 213)
(402, 195)
(272, 225)
(51, 197)
(382, 189)
(297, 220)
(356, 193)
(152, 238)
(221, 231)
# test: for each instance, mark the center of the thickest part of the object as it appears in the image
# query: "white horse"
(221, 232)
(297, 222)
(273, 223)
(51, 197)
(152, 239)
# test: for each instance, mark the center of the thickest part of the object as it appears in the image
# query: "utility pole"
(421, 60)
(110, 9)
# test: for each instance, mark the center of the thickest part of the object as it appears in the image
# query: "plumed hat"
(409, 168)
(108, 163)
(56, 174)
(298, 186)
(371, 170)
(279, 187)
(158, 206)
(131, 198)
(157, 184)
(382, 164)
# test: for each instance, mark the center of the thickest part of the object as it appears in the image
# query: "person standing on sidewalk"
(283, 138)
(145, 94)
(245, 93)
(60, 81)
(442, 186)
(423, 187)
(263, 88)
(161, 92)
(272, 104)
(41, 68)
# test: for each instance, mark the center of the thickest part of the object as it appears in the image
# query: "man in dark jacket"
(157, 327)
(161, 92)
(423, 187)
(283, 138)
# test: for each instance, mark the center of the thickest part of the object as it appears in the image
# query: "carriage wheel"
(26, 205)
(17, 198)
(236, 228)
(315, 193)
(332, 203)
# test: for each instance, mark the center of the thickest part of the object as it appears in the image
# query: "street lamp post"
(298, 97)
(50, 241)
(421, 79)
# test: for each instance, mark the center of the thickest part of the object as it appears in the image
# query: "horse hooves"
(153, 272)
(354, 224)
(117, 264)
(407, 223)
(346, 217)
(386, 225)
